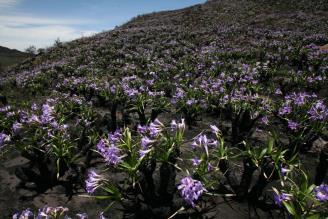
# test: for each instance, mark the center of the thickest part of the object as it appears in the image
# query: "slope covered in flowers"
(174, 113)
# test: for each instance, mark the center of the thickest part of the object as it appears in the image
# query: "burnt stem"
(246, 178)
(147, 183)
(321, 170)
(229, 174)
(113, 111)
(167, 183)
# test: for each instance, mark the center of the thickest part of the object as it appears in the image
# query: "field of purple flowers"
(218, 110)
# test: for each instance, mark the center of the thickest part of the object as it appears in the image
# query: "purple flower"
(33, 119)
(113, 89)
(179, 94)
(34, 107)
(321, 193)
(101, 216)
(191, 190)
(17, 127)
(284, 171)
(145, 142)
(279, 198)
(191, 101)
(178, 126)
(5, 109)
(155, 128)
(145, 146)
(150, 82)
(115, 136)
(142, 129)
(54, 124)
(265, 120)
(101, 146)
(154, 132)
(16, 216)
(82, 216)
(174, 125)
(293, 125)
(215, 129)
(93, 181)
(285, 110)
(318, 111)
(46, 211)
(23, 116)
(143, 153)
(318, 78)
(310, 80)
(300, 99)
(278, 91)
(112, 155)
(4, 139)
(196, 162)
(47, 114)
(10, 114)
(182, 125)
(26, 214)
(210, 167)
(203, 141)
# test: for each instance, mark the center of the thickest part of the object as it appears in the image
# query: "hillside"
(9, 57)
(163, 39)
(218, 110)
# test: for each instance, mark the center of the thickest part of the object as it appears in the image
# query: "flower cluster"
(202, 141)
(153, 131)
(47, 114)
(108, 149)
(145, 146)
(279, 198)
(4, 139)
(50, 213)
(178, 125)
(191, 190)
(318, 111)
(321, 193)
(93, 181)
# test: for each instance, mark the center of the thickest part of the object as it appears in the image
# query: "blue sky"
(41, 22)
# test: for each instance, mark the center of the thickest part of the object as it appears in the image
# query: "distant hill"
(169, 42)
(9, 57)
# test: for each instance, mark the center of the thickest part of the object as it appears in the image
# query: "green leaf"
(263, 152)
(310, 189)
(109, 206)
(58, 167)
(103, 197)
(314, 216)
(290, 208)
(270, 145)
(126, 166)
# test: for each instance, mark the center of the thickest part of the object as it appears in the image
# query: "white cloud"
(5, 4)
(19, 20)
(21, 31)
(21, 38)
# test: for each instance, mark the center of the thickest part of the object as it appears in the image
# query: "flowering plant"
(50, 213)
(136, 156)
(52, 137)
(301, 199)
(305, 118)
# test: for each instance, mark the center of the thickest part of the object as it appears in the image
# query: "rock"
(321, 170)
(324, 47)
(319, 145)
